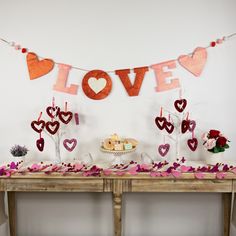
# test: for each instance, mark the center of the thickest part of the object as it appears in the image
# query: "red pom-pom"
(24, 50)
(213, 44)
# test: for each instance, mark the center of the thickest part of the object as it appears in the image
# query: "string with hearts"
(55, 128)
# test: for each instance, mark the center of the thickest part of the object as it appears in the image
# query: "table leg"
(226, 212)
(12, 212)
(117, 199)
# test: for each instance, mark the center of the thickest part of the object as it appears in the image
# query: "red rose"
(214, 133)
(221, 141)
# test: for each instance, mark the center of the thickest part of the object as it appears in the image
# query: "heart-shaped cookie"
(38, 125)
(163, 149)
(40, 144)
(169, 127)
(180, 104)
(193, 143)
(70, 144)
(195, 63)
(53, 111)
(160, 122)
(65, 116)
(52, 126)
(38, 68)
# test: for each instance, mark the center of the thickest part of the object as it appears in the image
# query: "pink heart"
(194, 63)
(78, 167)
(155, 174)
(107, 172)
(164, 174)
(163, 149)
(133, 170)
(184, 168)
(70, 144)
(176, 173)
(193, 143)
(199, 175)
(220, 175)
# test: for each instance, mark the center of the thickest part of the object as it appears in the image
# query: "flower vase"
(214, 158)
(18, 159)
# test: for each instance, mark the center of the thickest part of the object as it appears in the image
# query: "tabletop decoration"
(18, 152)
(215, 143)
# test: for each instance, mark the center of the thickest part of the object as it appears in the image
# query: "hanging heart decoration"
(192, 125)
(70, 144)
(65, 116)
(185, 126)
(160, 122)
(40, 144)
(53, 111)
(163, 149)
(180, 104)
(169, 127)
(38, 125)
(192, 143)
(38, 68)
(52, 126)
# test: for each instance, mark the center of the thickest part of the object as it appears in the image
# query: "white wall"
(114, 35)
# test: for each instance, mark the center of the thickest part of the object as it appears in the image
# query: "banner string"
(212, 44)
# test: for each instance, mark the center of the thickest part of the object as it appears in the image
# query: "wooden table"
(117, 185)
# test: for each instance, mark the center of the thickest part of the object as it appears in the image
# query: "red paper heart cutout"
(160, 122)
(52, 127)
(163, 149)
(195, 63)
(65, 116)
(70, 144)
(192, 125)
(180, 104)
(38, 126)
(169, 127)
(36, 67)
(53, 111)
(193, 143)
(185, 126)
(40, 144)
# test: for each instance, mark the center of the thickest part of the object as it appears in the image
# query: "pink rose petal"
(184, 168)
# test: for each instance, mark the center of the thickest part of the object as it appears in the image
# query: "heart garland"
(169, 127)
(163, 149)
(52, 126)
(192, 144)
(53, 111)
(180, 104)
(40, 144)
(65, 116)
(70, 144)
(38, 125)
(160, 122)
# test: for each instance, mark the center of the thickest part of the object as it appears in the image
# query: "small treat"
(132, 141)
(108, 144)
(128, 146)
(119, 147)
(115, 137)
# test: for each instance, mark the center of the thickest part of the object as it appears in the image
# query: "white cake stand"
(117, 155)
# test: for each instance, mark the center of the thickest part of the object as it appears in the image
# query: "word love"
(97, 84)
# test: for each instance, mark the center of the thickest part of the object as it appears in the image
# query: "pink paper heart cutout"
(70, 144)
(199, 175)
(163, 149)
(184, 168)
(194, 63)
(133, 170)
(220, 175)
(192, 125)
(193, 143)
(107, 172)
(155, 174)
(176, 173)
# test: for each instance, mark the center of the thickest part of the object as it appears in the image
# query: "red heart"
(160, 122)
(185, 126)
(52, 127)
(193, 143)
(180, 105)
(65, 117)
(163, 149)
(169, 127)
(192, 125)
(52, 111)
(38, 125)
(40, 144)
(194, 63)
(70, 144)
